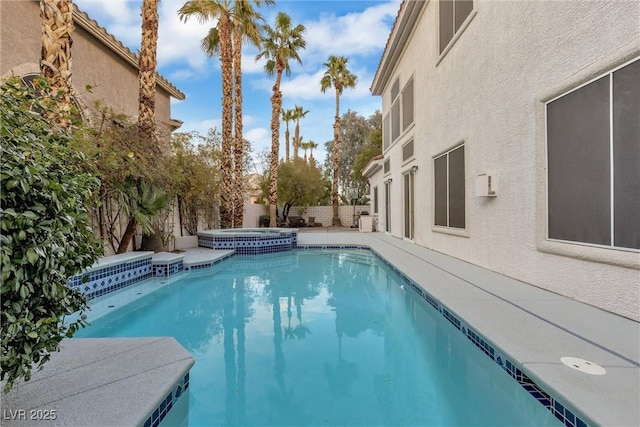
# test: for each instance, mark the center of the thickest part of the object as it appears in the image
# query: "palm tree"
(245, 20)
(298, 113)
(55, 63)
(338, 76)
(147, 72)
(305, 147)
(280, 44)
(287, 116)
(142, 202)
(311, 145)
(219, 40)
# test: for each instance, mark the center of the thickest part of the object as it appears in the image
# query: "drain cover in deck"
(583, 365)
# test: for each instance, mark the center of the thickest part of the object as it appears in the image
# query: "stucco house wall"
(488, 89)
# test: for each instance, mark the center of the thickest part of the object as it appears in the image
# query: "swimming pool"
(320, 338)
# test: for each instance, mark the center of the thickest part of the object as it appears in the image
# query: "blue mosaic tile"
(108, 279)
(563, 414)
(451, 318)
(161, 411)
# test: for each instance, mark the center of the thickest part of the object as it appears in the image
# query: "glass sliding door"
(408, 183)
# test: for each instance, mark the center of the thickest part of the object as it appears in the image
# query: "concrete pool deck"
(532, 326)
(99, 382)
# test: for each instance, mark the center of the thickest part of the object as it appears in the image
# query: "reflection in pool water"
(321, 338)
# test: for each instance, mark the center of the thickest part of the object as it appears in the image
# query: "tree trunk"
(286, 140)
(55, 58)
(296, 139)
(238, 156)
(180, 214)
(226, 58)
(147, 72)
(336, 164)
(276, 105)
(127, 236)
(152, 242)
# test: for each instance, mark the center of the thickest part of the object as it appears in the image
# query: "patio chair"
(296, 222)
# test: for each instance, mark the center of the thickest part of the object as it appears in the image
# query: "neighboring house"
(99, 61)
(252, 189)
(511, 140)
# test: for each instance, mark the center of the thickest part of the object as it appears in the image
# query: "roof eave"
(371, 168)
(92, 27)
(408, 15)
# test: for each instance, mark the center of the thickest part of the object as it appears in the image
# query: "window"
(387, 206)
(407, 105)
(401, 115)
(395, 90)
(453, 13)
(593, 153)
(395, 119)
(386, 166)
(408, 179)
(28, 79)
(375, 199)
(385, 132)
(407, 151)
(395, 110)
(449, 181)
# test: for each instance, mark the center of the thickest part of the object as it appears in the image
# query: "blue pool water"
(321, 338)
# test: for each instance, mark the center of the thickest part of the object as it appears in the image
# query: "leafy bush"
(264, 220)
(45, 232)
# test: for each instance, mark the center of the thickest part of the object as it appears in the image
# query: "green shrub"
(45, 233)
(264, 220)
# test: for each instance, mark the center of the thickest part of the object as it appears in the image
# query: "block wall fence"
(322, 214)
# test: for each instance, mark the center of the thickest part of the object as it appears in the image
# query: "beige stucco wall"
(489, 91)
(113, 81)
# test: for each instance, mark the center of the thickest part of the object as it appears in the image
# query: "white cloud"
(183, 74)
(247, 119)
(249, 63)
(120, 17)
(178, 41)
(354, 34)
(202, 126)
(306, 87)
(260, 138)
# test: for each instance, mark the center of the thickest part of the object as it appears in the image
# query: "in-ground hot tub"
(250, 240)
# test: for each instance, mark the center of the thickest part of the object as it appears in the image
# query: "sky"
(356, 29)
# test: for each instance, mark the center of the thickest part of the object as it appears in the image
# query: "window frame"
(387, 206)
(408, 204)
(463, 231)
(457, 33)
(410, 142)
(386, 131)
(609, 75)
(375, 199)
(404, 126)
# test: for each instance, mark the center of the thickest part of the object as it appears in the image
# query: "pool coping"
(102, 382)
(527, 325)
